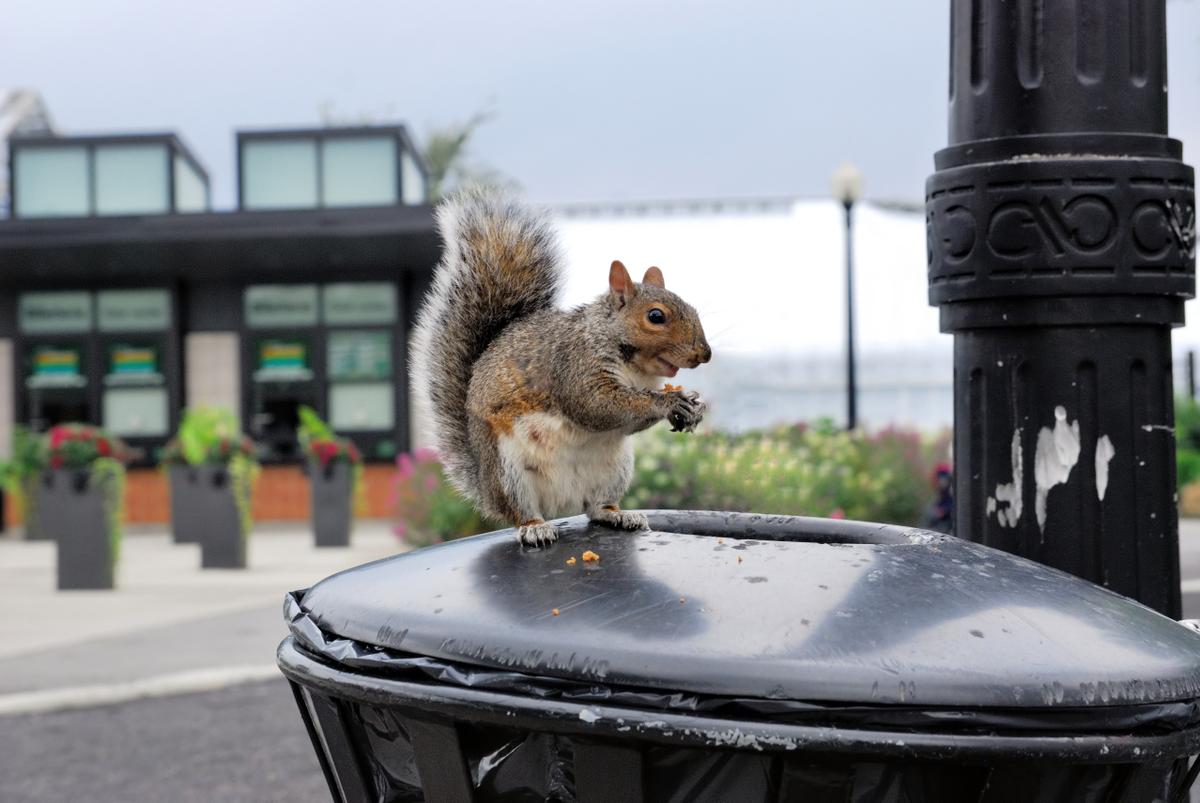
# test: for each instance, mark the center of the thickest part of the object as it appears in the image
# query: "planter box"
(71, 510)
(215, 519)
(29, 510)
(332, 503)
(187, 503)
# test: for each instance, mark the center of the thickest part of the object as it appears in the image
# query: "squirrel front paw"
(621, 519)
(537, 533)
(687, 411)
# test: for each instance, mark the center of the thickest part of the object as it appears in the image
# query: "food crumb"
(720, 540)
(571, 561)
(682, 600)
(554, 611)
(739, 558)
(590, 557)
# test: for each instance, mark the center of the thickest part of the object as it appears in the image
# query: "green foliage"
(22, 469)
(1187, 441)
(207, 435)
(243, 474)
(446, 159)
(427, 508)
(312, 427)
(800, 470)
(108, 474)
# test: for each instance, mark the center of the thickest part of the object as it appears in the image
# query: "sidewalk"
(168, 626)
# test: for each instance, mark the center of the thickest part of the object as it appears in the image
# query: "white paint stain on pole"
(1010, 493)
(1057, 453)
(1104, 453)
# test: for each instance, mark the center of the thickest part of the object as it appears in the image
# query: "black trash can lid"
(770, 607)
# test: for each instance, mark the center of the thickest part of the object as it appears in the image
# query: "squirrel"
(532, 406)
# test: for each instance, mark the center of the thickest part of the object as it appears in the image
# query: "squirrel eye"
(656, 316)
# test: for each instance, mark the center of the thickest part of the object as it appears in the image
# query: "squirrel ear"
(620, 285)
(654, 276)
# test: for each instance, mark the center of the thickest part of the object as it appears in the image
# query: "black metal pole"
(1061, 233)
(851, 387)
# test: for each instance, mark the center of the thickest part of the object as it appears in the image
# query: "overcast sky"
(594, 99)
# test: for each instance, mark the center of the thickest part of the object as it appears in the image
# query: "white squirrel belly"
(561, 464)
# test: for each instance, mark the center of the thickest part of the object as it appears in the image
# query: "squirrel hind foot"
(537, 534)
(620, 519)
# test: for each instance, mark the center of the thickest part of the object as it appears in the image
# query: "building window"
(279, 174)
(358, 171)
(131, 180)
(191, 190)
(329, 168)
(51, 181)
(329, 347)
(135, 399)
(86, 176)
(360, 380)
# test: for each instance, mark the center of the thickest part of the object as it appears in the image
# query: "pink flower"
(837, 513)
(431, 484)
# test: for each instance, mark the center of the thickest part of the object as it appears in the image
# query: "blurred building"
(22, 113)
(124, 298)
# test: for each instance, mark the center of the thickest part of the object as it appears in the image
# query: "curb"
(189, 682)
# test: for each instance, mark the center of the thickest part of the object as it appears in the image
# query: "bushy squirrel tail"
(500, 263)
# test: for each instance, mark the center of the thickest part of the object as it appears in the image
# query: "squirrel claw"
(687, 413)
(537, 535)
(620, 519)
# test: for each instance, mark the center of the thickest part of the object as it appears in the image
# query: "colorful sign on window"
(55, 367)
(132, 364)
(282, 359)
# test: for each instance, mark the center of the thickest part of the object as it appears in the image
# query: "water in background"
(908, 389)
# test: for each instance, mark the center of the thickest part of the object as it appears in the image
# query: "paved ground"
(240, 745)
(171, 628)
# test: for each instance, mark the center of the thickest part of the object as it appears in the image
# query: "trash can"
(725, 656)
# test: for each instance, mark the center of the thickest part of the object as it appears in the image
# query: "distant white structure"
(22, 111)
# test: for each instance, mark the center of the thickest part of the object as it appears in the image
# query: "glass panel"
(282, 359)
(413, 181)
(55, 366)
(51, 313)
(358, 407)
(133, 364)
(133, 310)
(50, 182)
(279, 174)
(136, 411)
(131, 179)
(191, 192)
(359, 171)
(271, 305)
(358, 303)
(360, 355)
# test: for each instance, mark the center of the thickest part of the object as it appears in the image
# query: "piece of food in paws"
(590, 557)
(669, 388)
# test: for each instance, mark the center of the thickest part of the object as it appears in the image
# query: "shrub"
(815, 470)
(207, 436)
(426, 507)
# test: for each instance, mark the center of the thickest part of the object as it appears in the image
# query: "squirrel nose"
(705, 353)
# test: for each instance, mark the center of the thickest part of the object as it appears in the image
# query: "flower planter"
(332, 493)
(187, 504)
(29, 509)
(218, 522)
(76, 508)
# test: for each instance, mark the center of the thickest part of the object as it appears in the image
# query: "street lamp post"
(847, 188)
